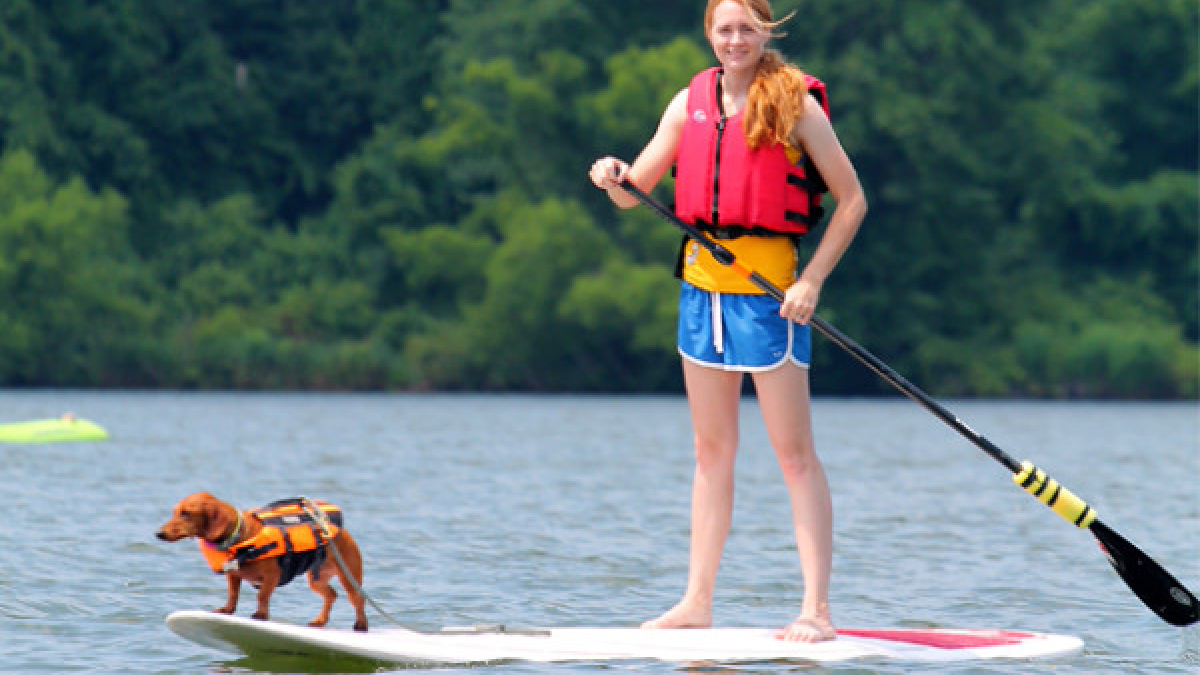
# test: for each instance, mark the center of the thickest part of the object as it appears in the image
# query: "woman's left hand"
(800, 301)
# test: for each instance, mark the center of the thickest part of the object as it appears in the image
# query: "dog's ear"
(218, 518)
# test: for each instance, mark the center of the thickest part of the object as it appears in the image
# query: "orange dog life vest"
(289, 533)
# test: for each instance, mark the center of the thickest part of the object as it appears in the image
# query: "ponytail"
(776, 100)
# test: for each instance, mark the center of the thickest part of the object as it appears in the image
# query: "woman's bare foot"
(683, 615)
(808, 629)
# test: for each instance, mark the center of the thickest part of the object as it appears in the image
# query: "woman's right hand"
(608, 172)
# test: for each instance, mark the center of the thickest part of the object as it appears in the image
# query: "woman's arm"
(815, 134)
(652, 164)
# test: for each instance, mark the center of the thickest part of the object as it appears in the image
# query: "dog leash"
(322, 521)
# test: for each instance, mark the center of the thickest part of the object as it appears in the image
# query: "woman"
(753, 110)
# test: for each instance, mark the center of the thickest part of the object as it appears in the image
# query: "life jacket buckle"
(723, 233)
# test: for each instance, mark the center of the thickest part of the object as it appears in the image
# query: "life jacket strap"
(248, 554)
(805, 183)
(816, 212)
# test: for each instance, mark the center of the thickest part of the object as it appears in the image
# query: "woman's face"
(737, 39)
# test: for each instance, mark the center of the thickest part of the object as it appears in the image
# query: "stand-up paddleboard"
(468, 646)
(51, 431)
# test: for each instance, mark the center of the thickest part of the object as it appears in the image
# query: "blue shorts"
(739, 332)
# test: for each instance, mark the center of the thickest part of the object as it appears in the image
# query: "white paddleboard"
(454, 646)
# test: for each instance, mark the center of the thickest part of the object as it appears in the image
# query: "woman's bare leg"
(783, 394)
(713, 399)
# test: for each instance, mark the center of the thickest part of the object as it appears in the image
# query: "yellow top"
(772, 257)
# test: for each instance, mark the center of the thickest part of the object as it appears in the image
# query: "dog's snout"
(161, 534)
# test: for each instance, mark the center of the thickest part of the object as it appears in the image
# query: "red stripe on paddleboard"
(942, 639)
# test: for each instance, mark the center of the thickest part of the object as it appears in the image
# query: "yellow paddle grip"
(1064, 502)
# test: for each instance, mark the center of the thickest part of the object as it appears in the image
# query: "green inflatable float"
(66, 428)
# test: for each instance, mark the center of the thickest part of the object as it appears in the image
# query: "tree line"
(392, 194)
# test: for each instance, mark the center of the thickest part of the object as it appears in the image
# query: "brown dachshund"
(269, 546)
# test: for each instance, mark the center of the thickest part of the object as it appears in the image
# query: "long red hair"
(779, 91)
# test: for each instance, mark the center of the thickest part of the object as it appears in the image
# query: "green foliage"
(642, 81)
(438, 267)
(521, 336)
(627, 302)
(392, 194)
(71, 310)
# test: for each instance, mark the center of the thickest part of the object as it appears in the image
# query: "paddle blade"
(1155, 586)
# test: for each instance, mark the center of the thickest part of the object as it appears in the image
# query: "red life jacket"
(722, 182)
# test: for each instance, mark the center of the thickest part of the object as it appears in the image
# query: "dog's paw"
(360, 626)
(261, 616)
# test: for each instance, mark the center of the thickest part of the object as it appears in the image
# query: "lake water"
(573, 511)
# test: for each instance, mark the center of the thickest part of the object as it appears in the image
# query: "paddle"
(1146, 578)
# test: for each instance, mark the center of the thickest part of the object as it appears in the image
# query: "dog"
(267, 547)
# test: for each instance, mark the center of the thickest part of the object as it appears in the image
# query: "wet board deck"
(398, 646)
(51, 431)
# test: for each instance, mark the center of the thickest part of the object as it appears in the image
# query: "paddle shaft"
(1146, 578)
